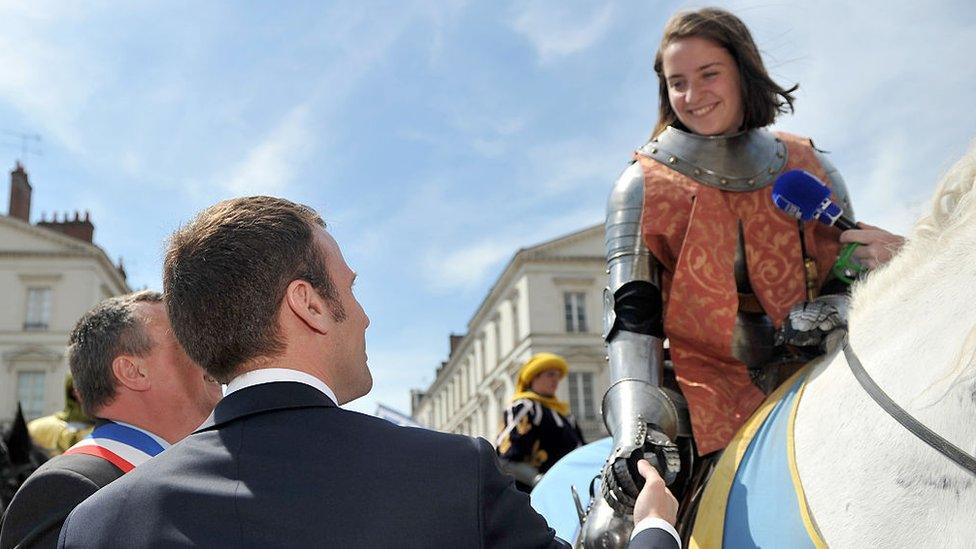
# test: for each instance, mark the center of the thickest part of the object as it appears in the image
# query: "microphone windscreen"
(800, 194)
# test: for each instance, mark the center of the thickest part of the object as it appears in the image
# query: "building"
(51, 272)
(548, 298)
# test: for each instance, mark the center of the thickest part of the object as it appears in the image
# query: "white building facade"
(50, 274)
(548, 299)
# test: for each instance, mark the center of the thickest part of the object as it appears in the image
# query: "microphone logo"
(789, 207)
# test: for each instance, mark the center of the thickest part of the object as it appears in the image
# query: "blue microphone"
(803, 196)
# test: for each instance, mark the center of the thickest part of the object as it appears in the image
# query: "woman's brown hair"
(762, 98)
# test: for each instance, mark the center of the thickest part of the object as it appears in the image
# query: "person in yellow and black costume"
(61, 430)
(538, 428)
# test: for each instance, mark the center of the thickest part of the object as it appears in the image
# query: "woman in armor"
(699, 255)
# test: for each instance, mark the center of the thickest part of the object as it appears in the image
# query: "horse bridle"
(927, 435)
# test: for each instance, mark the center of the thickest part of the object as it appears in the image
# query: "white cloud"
(558, 28)
(45, 76)
(270, 165)
(877, 91)
(466, 267)
(573, 164)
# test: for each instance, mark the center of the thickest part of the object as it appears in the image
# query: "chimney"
(20, 194)
(455, 341)
(79, 226)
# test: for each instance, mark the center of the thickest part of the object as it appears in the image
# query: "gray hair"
(110, 329)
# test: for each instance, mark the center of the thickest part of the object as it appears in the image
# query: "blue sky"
(437, 137)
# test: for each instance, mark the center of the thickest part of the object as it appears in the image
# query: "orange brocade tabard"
(692, 230)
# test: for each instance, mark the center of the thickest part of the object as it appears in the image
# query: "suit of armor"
(697, 253)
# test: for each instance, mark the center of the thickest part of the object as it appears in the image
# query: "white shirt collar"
(162, 442)
(270, 375)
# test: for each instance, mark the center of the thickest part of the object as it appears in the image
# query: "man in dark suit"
(259, 295)
(130, 372)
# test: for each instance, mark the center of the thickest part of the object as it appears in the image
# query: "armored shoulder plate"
(742, 162)
(627, 257)
(837, 184)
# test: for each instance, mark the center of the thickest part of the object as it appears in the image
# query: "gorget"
(744, 161)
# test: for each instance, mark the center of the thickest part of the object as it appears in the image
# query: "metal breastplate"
(741, 162)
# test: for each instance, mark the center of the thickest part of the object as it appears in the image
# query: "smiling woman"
(698, 254)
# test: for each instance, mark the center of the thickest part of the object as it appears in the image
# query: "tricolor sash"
(123, 446)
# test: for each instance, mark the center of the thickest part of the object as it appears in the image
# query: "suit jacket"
(41, 505)
(653, 538)
(283, 466)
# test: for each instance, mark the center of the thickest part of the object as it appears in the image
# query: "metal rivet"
(751, 182)
(606, 271)
(672, 160)
(772, 171)
(698, 171)
(724, 181)
(779, 154)
(653, 150)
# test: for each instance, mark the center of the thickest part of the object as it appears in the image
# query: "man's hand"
(655, 500)
(877, 245)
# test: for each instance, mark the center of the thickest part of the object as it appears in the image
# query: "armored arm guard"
(639, 415)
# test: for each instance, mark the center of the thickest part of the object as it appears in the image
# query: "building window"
(575, 309)
(581, 394)
(30, 393)
(498, 339)
(515, 325)
(38, 309)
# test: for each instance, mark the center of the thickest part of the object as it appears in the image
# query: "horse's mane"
(951, 216)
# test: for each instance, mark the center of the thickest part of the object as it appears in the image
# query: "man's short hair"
(225, 275)
(110, 329)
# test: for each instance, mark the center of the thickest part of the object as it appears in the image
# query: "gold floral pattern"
(692, 230)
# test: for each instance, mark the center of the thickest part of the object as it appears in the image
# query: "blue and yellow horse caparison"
(754, 497)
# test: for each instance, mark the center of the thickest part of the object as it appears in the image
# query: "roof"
(42, 242)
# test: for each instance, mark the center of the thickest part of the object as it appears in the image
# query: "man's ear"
(305, 302)
(131, 372)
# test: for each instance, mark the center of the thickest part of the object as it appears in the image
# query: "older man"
(260, 295)
(132, 374)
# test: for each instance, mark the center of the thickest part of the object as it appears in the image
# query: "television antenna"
(29, 143)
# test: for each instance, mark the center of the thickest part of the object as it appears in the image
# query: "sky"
(437, 137)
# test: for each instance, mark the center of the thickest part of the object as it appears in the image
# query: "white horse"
(869, 482)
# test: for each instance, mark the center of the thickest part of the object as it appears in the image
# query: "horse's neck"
(916, 331)
(870, 482)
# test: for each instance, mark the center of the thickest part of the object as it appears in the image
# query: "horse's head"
(18, 458)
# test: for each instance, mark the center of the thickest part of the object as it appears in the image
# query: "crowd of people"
(257, 297)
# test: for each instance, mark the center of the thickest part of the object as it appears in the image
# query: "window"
(515, 324)
(498, 340)
(38, 309)
(575, 309)
(581, 394)
(30, 393)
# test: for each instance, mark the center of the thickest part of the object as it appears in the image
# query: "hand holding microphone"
(805, 197)
(877, 245)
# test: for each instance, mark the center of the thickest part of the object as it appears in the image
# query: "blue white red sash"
(124, 446)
